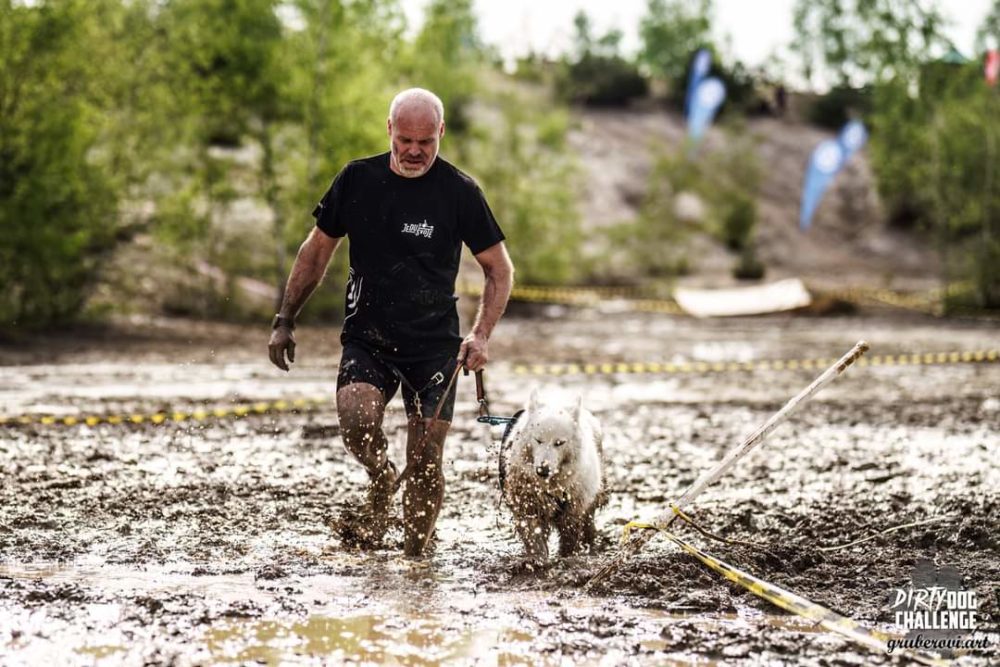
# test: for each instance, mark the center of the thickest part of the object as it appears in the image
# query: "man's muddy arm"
(499, 273)
(307, 272)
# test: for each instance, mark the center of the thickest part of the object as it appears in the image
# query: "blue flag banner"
(824, 164)
(828, 159)
(852, 137)
(708, 96)
(699, 70)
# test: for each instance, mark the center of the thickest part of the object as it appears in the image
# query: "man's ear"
(441, 131)
(388, 126)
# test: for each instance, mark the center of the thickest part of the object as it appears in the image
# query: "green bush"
(840, 105)
(749, 267)
(598, 80)
(725, 181)
(935, 158)
(739, 218)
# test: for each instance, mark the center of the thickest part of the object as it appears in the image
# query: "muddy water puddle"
(339, 620)
(208, 543)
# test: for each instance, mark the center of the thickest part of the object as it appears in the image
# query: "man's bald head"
(416, 100)
(416, 125)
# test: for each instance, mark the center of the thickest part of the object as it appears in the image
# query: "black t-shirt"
(406, 237)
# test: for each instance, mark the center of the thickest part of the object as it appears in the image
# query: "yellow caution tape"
(787, 600)
(592, 368)
(701, 367)
(538, 292)
(924, 302)
(238, 411)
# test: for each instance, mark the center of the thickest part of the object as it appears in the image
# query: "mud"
(209, 542)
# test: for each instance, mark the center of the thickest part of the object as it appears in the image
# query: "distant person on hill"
(407, 213)
(780, 100)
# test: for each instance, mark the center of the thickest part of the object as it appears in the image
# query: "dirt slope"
(849, 243)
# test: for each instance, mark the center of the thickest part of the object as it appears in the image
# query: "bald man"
(407, 214)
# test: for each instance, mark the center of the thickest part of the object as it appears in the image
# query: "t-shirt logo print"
(353, 293)
(419, 229)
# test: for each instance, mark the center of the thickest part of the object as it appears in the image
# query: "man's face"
(414, 140)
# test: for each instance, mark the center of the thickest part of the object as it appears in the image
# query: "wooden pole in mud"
(640, 539)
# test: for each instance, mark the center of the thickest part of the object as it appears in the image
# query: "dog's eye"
(539, 441)
(558, 443)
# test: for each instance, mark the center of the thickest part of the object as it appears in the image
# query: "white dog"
(554, 477)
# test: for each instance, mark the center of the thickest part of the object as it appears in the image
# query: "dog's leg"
(534, 533)
(571, 531)
(590, 528)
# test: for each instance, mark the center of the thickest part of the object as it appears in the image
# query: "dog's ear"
(533, 401)
(578, 412)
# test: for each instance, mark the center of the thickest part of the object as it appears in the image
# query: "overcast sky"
(750, 30)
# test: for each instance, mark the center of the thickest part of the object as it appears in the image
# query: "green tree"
(446, 57)
(58, 197)
(988, 35)
(223, 60)
(596, 73)
(934, 128)
(859, 41)
(342, 71)
(522, 164)
(672, 30)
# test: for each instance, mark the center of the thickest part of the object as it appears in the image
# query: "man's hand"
(473, 352)
(282, 341)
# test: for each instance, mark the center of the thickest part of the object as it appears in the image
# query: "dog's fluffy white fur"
(555, 477)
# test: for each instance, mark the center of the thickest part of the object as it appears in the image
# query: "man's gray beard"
(409, 172)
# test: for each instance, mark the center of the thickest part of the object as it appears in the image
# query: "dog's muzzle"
(543, 471)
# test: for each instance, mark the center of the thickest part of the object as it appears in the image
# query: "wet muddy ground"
(200, 542)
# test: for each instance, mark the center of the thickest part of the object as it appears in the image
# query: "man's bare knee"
(361, 408)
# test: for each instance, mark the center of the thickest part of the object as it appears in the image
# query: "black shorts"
(423, 381)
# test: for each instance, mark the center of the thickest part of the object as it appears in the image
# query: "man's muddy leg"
(423, 492)
(361, 408)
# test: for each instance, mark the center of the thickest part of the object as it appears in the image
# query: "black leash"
(418, 453)
(486, 418)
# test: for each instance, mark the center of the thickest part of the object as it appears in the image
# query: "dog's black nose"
(542, 470)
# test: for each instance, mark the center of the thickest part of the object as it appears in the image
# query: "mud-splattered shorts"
(423, 381)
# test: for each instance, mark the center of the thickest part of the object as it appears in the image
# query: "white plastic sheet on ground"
(775, 297)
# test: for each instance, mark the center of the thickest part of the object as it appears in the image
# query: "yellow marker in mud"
(827, 618)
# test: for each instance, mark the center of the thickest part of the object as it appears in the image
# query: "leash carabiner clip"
(484, 405)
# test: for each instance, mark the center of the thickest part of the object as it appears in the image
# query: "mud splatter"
(188, 543)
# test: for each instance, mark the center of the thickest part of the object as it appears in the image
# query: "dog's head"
(552, 436)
